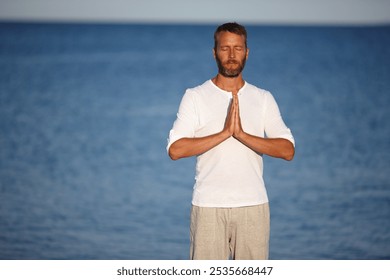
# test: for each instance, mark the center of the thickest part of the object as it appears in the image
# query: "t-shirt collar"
(229, 93)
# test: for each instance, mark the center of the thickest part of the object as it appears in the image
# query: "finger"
(234, 111)
(230, 118)
(237, 120)
(236, 106)
(232, 108)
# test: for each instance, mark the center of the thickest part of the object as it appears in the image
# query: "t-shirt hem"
(229, 205)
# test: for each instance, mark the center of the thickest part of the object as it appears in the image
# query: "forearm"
(274, 147)
(187, 147)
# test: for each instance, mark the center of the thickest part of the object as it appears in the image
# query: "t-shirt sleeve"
(186, 120)
(274, 124)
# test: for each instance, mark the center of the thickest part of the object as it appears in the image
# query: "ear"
(214, 54)
(247, 53)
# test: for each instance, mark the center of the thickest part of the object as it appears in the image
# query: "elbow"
(173, 157)
(176, 151)
(172, 154)
(289, 155)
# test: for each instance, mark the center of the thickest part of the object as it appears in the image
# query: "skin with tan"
(232, 54)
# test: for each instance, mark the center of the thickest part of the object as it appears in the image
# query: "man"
(223, 122)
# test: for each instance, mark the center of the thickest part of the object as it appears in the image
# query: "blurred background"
(90, 89)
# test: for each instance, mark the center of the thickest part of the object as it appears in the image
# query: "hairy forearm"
(274, 147)
(187, 147)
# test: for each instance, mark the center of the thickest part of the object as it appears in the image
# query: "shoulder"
(200, 88)
(192, 94)
(257, 91)
(200, 91)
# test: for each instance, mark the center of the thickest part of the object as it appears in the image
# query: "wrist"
(224, 134)
(240, 135)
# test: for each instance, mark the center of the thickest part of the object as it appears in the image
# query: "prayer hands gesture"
(275, 147)
(233, 121)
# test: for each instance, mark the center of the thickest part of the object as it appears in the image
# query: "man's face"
(230, 54)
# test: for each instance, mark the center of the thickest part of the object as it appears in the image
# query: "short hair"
(232, 27)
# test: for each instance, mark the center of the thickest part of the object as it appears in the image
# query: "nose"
(231, 53)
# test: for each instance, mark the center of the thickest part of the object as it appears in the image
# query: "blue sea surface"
(85, 111)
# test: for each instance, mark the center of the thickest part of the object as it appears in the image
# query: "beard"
(231, 68)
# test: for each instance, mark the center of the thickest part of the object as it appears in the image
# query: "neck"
(229, 84)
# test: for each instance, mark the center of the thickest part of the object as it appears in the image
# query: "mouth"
(232, 62)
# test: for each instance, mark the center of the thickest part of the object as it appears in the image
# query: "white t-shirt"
(230, 174)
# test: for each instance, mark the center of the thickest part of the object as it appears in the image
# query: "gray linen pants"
(240, 233)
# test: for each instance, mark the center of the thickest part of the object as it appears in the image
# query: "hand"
(233, 122)
(237, 120)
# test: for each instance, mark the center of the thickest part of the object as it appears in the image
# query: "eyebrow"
(235, 46)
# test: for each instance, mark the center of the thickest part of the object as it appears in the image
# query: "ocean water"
(85, 111)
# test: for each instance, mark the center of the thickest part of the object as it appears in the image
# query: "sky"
(335, 12)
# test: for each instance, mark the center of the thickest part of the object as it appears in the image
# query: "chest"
(213, 110)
